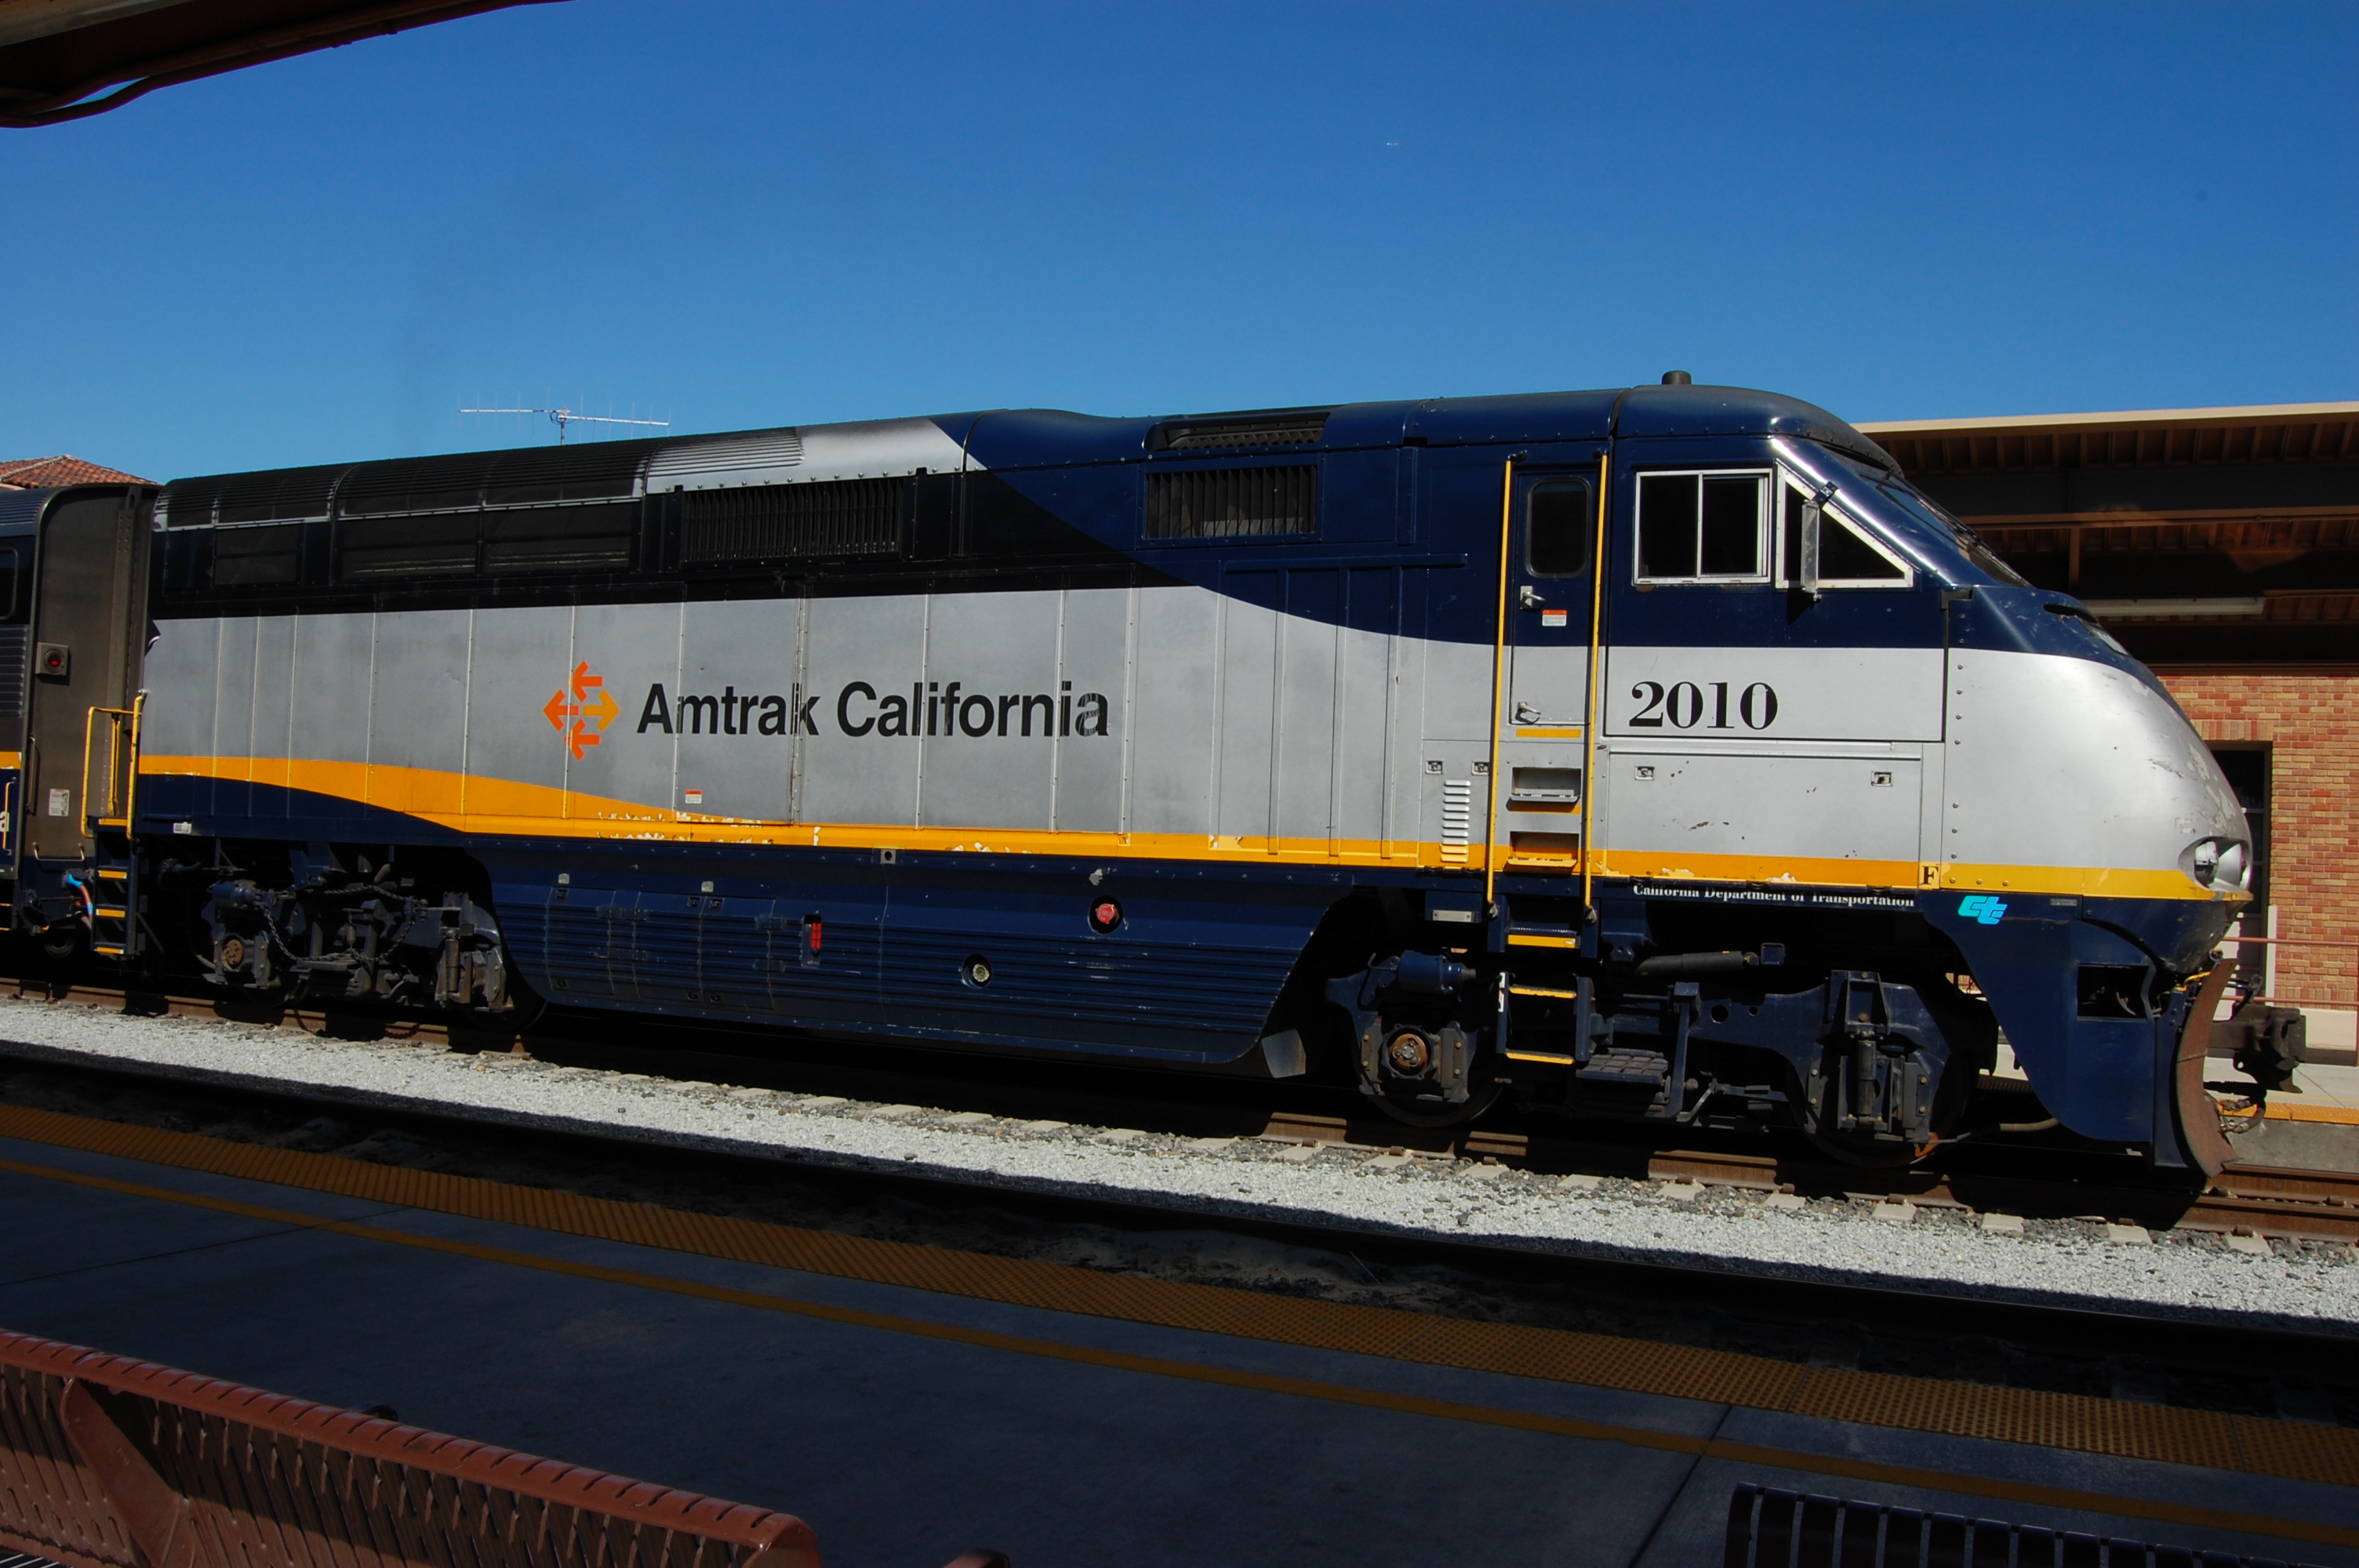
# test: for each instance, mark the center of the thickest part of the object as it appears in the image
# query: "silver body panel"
(1302, 735)
(1290, 737)
(2064, 762)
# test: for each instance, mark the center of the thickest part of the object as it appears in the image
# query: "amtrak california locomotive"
(1657, 753)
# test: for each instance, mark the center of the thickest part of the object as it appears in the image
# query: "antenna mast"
(561, 418)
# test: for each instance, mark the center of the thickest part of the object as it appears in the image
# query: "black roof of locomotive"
(1030, 437)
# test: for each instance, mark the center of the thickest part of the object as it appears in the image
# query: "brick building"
(2221, 546)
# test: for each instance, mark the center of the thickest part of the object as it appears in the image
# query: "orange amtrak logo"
(589, 707)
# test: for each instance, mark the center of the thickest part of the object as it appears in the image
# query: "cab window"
(1556, 528)
(1848, 557)
(1703, 527)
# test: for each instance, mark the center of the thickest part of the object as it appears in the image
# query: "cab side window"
(1557, 528)
(12, 609)
(1847, 557)
(1703, 527)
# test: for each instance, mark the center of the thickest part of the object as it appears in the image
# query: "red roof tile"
(40, 473)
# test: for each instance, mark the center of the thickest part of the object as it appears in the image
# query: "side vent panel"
(257, 553)
(681, 461)
(12, 677)
(791, 521)
(1232, 503)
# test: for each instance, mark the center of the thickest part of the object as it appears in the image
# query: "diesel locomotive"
(1656, 753)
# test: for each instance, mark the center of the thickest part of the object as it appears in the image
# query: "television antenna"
(561, 418)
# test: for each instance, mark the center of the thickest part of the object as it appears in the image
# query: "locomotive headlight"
(2222, 865)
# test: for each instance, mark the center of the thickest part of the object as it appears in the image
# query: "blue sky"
(738, 215)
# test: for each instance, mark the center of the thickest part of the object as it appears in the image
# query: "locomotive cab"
(1862, 798)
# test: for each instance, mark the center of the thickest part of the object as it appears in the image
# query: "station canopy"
(2199, 535)
(64, 59)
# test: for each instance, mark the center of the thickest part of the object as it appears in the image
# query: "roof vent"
(1294, 428)
(1678, 378)
(753, 450)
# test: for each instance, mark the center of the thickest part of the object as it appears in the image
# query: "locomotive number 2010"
(1684, 705)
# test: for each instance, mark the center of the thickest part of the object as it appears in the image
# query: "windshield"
(1907, 499)
(1912, 522)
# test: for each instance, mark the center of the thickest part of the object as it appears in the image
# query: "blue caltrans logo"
(1982, 907)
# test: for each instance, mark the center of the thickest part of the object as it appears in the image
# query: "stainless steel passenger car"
(1307, 739)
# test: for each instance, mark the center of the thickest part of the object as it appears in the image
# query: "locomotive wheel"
(1873, 1154)
(1440, 1113)
(521, 1007)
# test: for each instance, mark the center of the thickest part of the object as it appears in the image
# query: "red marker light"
(1104, 916)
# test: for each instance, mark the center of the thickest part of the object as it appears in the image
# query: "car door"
(1551, 597)
(89, 631)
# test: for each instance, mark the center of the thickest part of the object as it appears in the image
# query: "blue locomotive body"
(1655, 753)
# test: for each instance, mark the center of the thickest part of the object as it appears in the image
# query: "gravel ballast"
(2077, 1263)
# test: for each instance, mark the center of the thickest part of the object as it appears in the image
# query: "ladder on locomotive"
(109, 771)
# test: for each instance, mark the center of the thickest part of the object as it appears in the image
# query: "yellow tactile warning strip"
(2339, 1115)
(2236, 1109)
(2293, 1450)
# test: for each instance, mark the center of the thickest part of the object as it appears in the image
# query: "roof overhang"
(2288, 461)
(2204, 537)
(55, 55)
(2126, 419)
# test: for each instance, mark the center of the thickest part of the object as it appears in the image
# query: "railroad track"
(2253, 1200)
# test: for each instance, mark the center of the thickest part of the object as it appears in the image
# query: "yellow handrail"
(118, 754)
(1498, 696)
(1593, 713)
(131, 772)
(88, 742)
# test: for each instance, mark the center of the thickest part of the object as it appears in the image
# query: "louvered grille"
(557, 538)
(784, 522)
(590, 472)
(1232, 503)
(269, 496)
(1267, 431)
(757, 449)
(270, 553)
(1457, 820)
(413, 484)
(406, 547)
(12, 677)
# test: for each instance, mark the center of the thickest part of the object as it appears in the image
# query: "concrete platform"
(2081, 1263)
(906, 1423)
